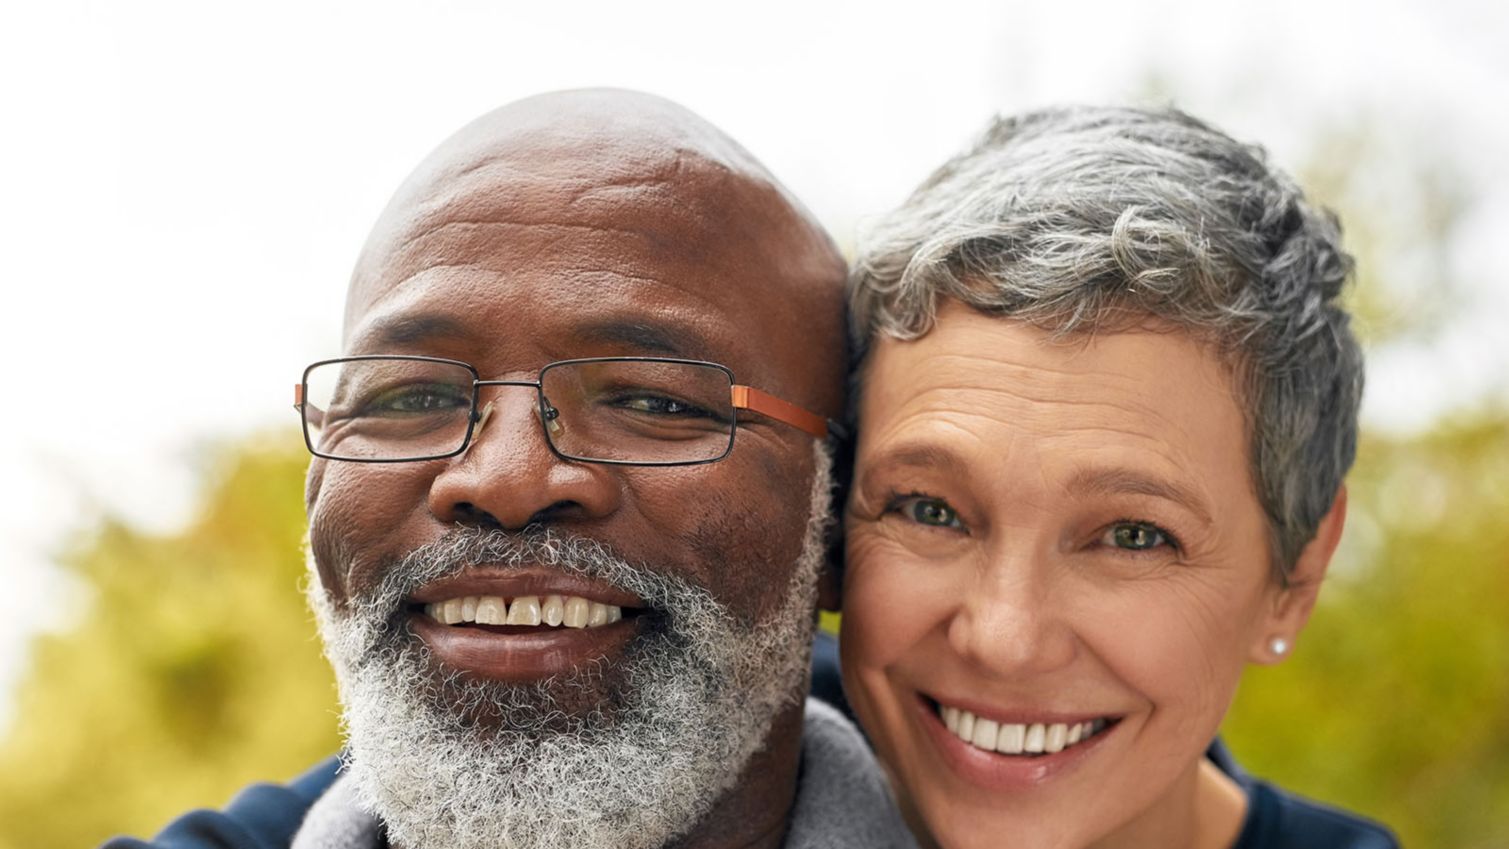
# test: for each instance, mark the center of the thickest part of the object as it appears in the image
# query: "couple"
(572, 507)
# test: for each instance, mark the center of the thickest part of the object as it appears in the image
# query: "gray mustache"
(461, 548)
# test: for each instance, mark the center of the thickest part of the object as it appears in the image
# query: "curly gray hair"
(1091, 219)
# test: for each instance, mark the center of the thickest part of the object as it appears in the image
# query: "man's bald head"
(582, 158)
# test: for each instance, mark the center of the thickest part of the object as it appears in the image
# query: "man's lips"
(536, 581)
(522, 624)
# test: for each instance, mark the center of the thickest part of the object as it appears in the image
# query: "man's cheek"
(361, 515)
(313, 480)
(750, 552)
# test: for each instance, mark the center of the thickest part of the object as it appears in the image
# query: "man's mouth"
(523, 624)
(550, 611)
(1026, 738)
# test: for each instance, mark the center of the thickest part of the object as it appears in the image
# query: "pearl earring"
(1279, 646)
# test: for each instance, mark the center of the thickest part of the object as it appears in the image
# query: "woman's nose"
(1014, 621)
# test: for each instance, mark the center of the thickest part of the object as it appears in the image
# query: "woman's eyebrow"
(1122, 481)
(915, 456)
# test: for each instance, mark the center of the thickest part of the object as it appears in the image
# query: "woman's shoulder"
(1280, 820)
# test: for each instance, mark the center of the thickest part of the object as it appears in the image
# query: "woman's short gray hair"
(1094, 219)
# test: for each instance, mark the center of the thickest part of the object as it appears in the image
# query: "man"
(570, 603)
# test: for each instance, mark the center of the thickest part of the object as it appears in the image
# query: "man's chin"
(452, 760)
(588, 697)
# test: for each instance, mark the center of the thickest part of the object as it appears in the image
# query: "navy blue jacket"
(266, 816)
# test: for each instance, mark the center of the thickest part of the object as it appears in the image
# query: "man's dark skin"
(601, 223)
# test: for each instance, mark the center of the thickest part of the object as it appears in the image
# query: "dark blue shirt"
(267, 816)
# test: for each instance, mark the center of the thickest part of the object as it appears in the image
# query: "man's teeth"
(553, 611)
(1014, 739)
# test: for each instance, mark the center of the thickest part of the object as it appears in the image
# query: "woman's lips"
(1011, 750)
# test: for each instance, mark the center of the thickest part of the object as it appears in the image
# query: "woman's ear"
(1294, 602)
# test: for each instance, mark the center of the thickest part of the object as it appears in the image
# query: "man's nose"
(1013, 621)
(508, 477)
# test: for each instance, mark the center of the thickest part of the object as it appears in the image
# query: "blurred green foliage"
(1394, 702)
(192, 669)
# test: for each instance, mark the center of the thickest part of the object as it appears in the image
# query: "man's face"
(509, 265)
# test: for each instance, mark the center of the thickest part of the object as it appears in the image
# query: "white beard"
(695, 702)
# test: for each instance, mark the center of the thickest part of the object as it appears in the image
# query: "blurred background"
(186, 187)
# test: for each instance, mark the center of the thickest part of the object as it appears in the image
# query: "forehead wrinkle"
(962, 425)
(1002, 383)
(684, 328)
(668, 194)
(651, 236)
(1047, 403)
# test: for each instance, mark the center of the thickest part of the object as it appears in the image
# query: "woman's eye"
(928, 511)
(1135, 536)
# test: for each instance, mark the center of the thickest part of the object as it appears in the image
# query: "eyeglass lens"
(617, 410)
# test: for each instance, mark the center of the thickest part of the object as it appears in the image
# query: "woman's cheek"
(890, 596)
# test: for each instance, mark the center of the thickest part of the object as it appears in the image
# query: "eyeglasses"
(637, 411)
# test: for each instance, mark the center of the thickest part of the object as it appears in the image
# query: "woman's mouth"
(1030, 739)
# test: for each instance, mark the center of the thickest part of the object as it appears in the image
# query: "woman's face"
(1051, 542)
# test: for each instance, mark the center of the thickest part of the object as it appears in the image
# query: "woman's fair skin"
(1058, 532)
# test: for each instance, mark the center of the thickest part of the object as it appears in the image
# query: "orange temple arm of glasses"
(750, 398)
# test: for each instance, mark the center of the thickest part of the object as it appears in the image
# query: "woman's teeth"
(1014, 739)
(553, 611)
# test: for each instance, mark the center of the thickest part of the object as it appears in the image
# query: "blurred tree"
(193, 669)
(1394, 703)
(1402, 203)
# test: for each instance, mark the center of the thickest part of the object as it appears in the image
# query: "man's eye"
(924, 510)
(661, 406)
(419, 398)
(1136, 536)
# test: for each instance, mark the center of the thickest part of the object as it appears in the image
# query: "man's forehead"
(466, 313)
(637, 183)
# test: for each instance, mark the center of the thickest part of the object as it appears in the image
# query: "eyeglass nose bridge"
(549, 415)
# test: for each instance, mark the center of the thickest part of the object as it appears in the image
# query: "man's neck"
(756, 810)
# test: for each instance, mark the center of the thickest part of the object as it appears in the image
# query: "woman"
(1108, 400)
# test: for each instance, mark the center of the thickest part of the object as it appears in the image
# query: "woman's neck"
(1204, 809)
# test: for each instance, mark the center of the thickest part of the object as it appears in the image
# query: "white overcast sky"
(185, 185)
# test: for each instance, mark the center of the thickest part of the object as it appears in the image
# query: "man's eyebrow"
(1132, 482)
(402, 330)
(645, 336)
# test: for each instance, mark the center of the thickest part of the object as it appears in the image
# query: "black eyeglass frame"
(742, 397)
